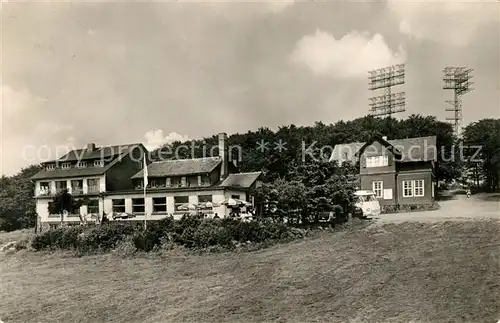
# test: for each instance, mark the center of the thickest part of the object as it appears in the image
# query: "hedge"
(190, 232)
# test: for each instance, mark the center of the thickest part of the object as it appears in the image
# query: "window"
(413, 188)
(81, 164)
(138, 205)
(179, 200)
(98, 163)
(199, 180)
(235, 197)
(183, 181)
(93, 207)
(51, 208)
(366, 198)
(419, 188)
(159, 204)
(66, 165)
(139, 184)
(119, 205)
(44, 188)
(407, 188)
(377, 161)
(168, 182)
(378, 188)
(77, 186)
(50, 167)
(61, 185)
(157, 182)
(203, 200)
(93, 185)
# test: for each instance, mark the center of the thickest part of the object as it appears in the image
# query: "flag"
(145, 171)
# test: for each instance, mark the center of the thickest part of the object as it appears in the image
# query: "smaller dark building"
(400, 172)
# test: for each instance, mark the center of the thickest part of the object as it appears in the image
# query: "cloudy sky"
(116, 72)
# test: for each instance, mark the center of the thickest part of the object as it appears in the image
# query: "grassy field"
(6, 237)
(432, 272)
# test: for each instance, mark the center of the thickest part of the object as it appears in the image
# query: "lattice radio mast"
(458, 80)
(385, 78)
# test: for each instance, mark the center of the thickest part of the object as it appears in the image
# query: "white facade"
(106, 204)
(52, 184)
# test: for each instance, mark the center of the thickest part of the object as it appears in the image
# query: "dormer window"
(50, 167)
(81, 164)
(66, 165)
(98, 163)
(183, 181)
(377, 161)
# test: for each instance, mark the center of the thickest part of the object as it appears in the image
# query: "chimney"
(91, 147)
(223, 154)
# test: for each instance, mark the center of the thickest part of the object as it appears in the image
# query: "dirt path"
(460, 208)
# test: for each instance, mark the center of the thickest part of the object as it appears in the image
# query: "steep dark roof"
(72, 172)
(179, 167)
(244, 180)
(97, 153)
(384, 143)
(412, 149)
(109, 153)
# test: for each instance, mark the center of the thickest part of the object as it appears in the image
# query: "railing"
(77, 190)
(93, 189)
(45, 193)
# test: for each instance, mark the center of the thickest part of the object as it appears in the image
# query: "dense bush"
(191, 232)
(409, 208)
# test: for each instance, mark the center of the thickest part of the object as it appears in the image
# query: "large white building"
(110, 181)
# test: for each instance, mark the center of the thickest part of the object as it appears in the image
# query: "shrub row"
(190, 232)
(409, 208)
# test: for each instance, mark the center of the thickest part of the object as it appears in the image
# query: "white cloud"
(278, 6)
(448, 21)
(353, 55)
(155, 138)
(52, 128)
(21, 110)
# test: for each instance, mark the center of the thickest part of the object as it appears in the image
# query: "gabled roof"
(179, 167)
(97, 153)
(244, 180)
(384, 143)
(111, 153)
(411, 149)
(72, 172)
(346, 152)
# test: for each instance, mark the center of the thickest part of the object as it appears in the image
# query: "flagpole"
(145, 213)
(145, 184)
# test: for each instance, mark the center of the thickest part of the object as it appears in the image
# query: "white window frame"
(377, 161)
(405, 188)
(141, 205)
(420, 187)
(159, 204)
(381, 189)
(81, 164)
(98, 163)
(415, 191)
(50, 167)
(168, 182)
(66, 165)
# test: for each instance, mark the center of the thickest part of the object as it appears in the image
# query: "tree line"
(17, 206)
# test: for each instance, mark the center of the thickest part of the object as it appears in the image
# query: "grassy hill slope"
(433, 272)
